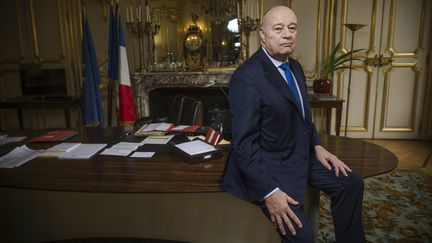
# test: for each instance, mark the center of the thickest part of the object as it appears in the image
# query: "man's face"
(278, 33)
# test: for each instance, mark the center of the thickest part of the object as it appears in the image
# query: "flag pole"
(111, 77)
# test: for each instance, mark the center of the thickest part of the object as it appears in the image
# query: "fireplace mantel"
(143, 83)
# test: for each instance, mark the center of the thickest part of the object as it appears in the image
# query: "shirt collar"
(275, 62)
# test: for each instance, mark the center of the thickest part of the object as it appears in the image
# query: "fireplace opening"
(215, 104)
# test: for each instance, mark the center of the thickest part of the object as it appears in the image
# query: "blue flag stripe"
(91, 98)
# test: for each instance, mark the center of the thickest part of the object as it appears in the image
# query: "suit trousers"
(346, 194)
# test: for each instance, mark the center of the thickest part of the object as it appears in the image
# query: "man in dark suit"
(276, 150)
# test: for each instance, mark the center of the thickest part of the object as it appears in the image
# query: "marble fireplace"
(154, 91)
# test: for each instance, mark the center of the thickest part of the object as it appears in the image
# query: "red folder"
(55, 136)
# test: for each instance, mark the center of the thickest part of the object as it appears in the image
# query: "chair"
(191, 112)
(183, 110)
(174, 110)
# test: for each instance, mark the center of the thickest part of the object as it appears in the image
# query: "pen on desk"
(126, 134)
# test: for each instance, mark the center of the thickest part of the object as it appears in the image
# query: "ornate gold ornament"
(194, 47)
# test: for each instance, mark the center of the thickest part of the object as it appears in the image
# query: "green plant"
(336, 61)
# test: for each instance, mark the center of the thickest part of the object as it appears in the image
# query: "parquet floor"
(412, 154)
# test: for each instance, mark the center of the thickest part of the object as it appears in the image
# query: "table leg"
(67, 112)
(20, 118)
(328, 120)
(338, 119)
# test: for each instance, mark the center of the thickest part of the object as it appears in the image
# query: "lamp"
(213, 82)
(353, 28)
(221, 117)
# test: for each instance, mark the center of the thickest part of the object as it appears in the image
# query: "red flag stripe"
(126, 106)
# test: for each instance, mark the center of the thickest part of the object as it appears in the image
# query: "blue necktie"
(291, 81)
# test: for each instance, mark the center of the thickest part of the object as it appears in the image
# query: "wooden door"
(386, 87)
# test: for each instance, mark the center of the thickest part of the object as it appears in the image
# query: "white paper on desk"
(142, 154)
(195, 147)
(163, 126)
(179, 128)
(157, 139)
(127, 146)
(116, 152)
(84, 151)
(4, 139)
(63, 147)
(150, 127)
(18, 157)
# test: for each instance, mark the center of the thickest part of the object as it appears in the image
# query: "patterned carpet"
(397, 208)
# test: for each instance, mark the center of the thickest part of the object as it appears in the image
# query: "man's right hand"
(281, 213)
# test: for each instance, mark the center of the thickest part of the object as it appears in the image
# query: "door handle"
(378, 61)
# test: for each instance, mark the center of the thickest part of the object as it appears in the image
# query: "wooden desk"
(20, 103)
(161, 197)
(327, 105)
(165, 172)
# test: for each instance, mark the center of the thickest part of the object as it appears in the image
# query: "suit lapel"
(276, 79)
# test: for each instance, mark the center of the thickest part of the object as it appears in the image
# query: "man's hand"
(325, 156)
(281, 213)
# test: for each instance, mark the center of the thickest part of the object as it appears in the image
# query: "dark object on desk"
(220, 120)
(183, 110)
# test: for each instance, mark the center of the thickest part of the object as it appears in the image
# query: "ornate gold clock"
(194, 47)
(193, 42)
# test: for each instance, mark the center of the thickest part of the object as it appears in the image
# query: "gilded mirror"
(216, 21)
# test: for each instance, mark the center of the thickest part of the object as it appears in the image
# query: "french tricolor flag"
(212, 136)
(126, 105)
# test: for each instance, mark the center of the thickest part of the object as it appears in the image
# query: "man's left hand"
(325, 157)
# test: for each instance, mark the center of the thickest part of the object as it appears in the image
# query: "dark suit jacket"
(272, 142)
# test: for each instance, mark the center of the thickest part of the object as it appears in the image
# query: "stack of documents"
(73, 150)
(126, 148)
(121, 149)
(157, 139)
(154, 129)
(18, 157)
(63, 147)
